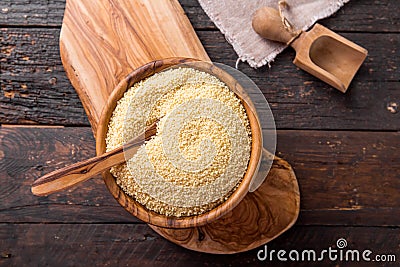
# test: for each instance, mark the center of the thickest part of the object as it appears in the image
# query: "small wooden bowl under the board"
(139, 210)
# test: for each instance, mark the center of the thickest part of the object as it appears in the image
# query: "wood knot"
(53, 81)
(5, 255)
(201, 234)
(392, 107)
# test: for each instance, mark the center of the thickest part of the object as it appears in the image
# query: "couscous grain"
(200, 152)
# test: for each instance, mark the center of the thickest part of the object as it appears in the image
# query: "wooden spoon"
(81, 171)
(321, 52)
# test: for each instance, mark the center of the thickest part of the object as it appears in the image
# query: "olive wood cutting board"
(102, 41)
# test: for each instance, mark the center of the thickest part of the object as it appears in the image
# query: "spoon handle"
(81, 171)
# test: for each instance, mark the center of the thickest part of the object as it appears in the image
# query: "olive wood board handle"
(102, 41)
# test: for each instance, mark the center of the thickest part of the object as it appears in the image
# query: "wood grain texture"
(38, 91)
(35, 90)
(346, 178)
(100, 44)
(357, 15)
(328, 56)
(259, 218)
(40, 86)
(138, 245)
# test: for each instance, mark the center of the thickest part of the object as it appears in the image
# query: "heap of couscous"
(200, 152)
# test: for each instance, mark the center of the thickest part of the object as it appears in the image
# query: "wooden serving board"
(101, 42)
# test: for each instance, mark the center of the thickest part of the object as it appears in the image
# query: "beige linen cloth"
(233, 18)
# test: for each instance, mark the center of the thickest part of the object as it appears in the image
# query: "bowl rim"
(136, 208)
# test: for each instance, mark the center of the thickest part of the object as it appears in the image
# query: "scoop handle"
(268, 24)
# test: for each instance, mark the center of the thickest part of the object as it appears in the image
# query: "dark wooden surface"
(345, 149)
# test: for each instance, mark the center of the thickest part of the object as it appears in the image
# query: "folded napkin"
(233, 18)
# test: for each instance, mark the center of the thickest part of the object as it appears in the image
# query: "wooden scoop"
(321, 52)
(81, 171)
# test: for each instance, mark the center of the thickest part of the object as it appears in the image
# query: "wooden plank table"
(345, 148)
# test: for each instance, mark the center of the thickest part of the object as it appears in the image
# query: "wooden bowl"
(138, 209)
